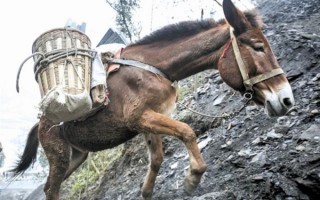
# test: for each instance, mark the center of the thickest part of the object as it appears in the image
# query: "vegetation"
(124, 18)
(90, 172)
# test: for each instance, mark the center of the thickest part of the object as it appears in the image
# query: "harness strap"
(236, 50)
(249, 82)
(141, 65)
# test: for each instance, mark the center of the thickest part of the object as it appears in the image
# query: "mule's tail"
(29, 155)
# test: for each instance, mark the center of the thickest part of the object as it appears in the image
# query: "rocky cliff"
(249, 156)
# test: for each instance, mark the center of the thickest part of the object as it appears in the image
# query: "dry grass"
(89, 173)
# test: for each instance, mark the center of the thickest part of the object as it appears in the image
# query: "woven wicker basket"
(74, 75)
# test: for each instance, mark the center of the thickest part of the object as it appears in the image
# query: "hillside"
(249, 156)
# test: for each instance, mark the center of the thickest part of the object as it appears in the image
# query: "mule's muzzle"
(279, 103)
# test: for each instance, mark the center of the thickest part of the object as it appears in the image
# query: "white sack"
(59, 106)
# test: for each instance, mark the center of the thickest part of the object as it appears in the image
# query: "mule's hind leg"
(57, 151)
(154, 144)
(77, 158)
(160, 124)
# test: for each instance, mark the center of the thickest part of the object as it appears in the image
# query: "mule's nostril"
(287, 102)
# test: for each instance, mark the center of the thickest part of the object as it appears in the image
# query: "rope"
(20, 68)
(56, 55)
(194, 111)
(49, 57)
(225, 115)
(218, 3)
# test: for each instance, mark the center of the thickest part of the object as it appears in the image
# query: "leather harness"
(247, 81)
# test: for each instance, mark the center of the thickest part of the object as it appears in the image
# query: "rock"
(229, 142)
(226, 145)
(245, 153)
(283, 125)
(204, 143)
(286, 185)
(274, 135)
(311, 134)
(37, 194)
(222, 195)
(306, 100)
(257, 177)
(218, 100)
(251, 108)
(314, 79)
(309, 36)
(174, 166)
(282, 129)
(203, 89)
(260, 159)
(300, 148)
(284, 120)
(303, 83)
(256, 141)
(16, 194)
(315, 95)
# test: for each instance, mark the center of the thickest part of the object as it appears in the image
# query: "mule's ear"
(235, 17)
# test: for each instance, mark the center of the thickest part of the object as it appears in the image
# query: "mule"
(142, 101)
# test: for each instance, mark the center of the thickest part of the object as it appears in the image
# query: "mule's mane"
(179, 30)
(187, 28)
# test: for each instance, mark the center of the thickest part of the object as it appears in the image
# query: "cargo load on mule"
(62, 67)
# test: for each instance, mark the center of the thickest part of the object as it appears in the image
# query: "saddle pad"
(110, 50)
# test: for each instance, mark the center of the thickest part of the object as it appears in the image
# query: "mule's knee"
(199, 171)
(188, 134)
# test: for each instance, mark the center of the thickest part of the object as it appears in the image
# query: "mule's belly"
(93, 136)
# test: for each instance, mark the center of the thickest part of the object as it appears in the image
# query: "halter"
(248, 82)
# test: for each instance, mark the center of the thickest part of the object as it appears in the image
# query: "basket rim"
(57, 29)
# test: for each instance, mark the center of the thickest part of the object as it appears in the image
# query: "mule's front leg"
(154, 144)
(197, 167)
(160, 124)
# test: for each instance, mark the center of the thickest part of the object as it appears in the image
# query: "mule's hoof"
(146, 195)
(189, 186)
(146, 198)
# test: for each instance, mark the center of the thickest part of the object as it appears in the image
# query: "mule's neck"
(183, 57)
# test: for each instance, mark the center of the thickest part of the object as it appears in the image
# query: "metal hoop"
(248, 95)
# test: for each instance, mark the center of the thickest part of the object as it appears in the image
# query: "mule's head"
(273, 92)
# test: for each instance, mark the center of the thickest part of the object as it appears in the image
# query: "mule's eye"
(258, 47)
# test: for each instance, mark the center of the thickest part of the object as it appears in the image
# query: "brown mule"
(141, 101)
